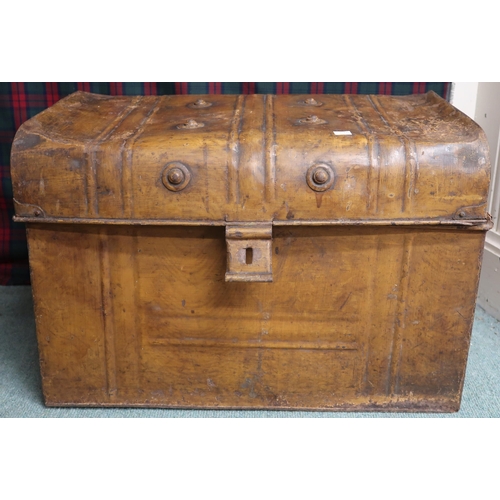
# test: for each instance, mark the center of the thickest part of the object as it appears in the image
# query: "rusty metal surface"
(478, 224)
(258, 261)
(92, 156)
(356, 318)
(249, 252)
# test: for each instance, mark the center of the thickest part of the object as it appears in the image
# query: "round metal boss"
(311, 120)
(320, 177)
(190, 124)
(176, 176)
(311, 102)
(199, 103)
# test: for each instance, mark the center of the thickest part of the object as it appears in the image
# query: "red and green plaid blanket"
(21, 101)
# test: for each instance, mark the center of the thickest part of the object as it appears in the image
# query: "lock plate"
(249, 252)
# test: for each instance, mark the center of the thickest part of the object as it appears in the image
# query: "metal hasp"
(249, 252)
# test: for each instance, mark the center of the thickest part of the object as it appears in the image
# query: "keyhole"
(249, 255)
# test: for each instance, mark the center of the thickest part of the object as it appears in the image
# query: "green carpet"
(21, 394)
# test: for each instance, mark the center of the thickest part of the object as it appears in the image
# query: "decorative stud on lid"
(176, 176)
(320, 177)
(310, 101)
(311, 120)
(190, 124)
(199, 103)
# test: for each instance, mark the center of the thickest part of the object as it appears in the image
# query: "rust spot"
(28, 141)
(319, 199)
(50, 152)
(104, 191)
(246, 384)
(75, 164)
(345, 302)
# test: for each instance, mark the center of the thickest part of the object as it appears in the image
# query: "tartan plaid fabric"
(21, 101)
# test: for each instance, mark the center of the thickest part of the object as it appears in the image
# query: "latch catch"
(249, 252)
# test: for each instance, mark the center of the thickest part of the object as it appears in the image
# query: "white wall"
(464, 97)
(481, 102)
(487, 115)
